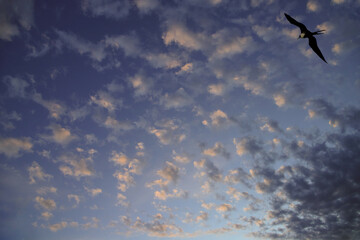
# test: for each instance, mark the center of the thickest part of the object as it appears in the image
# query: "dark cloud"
(346, 117)
(318, 199)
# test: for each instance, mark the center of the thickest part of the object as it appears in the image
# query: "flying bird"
(305, 33)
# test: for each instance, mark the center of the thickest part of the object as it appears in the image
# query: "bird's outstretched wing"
(314, 46)
(296, 23)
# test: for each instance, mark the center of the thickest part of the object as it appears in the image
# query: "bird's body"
(305, 33)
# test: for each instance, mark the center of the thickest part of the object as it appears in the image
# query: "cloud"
(6, 119)
(219, 118)
(236, 176)
(74, 197)
(270, 125)
(95, 51)
(167, 131)
(125, 180)
(164, 195)
(153, 228)
(177, 99)
(121, 200)
(346, 117)
(47, 204)
(116, 125)
(55, 108)
(46, 215)
(142, 85)
(216, 89)
(247, 145)
(322, 181)
(180, 158)
(228, 44)
(204, 216)
(36, 172)
(312, 6)
(107, 8)
(45, 190)
(178, 33)
(170, 172)
(225, 207)
(218, 149)
(13, 147)
(130, 44)
(106, 100)
(58, 226)
(60, 135)
(210, 170)
(146, 6)
(119, 159)
(162, 60)
(76, 166)
(338, 1)
(93, 191)
(266, 33)
(13, 14)
(16, 86)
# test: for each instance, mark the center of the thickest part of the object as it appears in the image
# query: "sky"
(169, 119)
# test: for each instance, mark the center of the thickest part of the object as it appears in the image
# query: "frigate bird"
(305, 33)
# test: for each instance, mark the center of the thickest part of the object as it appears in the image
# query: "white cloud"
(177, 99)
(106, 100)
(125, 180)
(180, 158)
(16, 86)
(218, 149)
(163, 60)
(58, 226)
(60, 135)
(266, 33)
(313, 6)
(130, 44)
(164, 195)
(55, 108)
(227, 47)
(122, 200)
(46, 215)
(74, 197)
(187, 68)
(219, 118)
(36, 172)
(76, 166)
(119, 158)
(93, 191)
(184, 37)
(116, 125)
(225, 207)
(146, 6)
(45, 190)
(12, 147)
(216, 89)
(47, 204)
(141, 84)
(169, 132)
(338, 1)
(95, 51)
(327, 26)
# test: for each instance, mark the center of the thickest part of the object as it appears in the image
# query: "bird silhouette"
(305, 33)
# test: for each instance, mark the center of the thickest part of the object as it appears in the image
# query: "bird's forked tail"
(318, 32)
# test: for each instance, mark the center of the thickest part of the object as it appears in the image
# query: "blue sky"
(156, 119)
